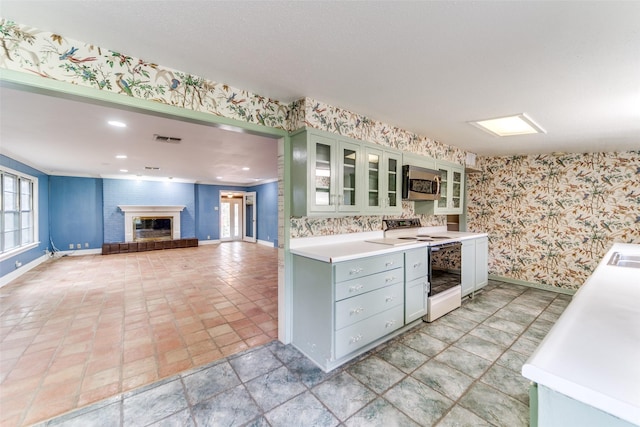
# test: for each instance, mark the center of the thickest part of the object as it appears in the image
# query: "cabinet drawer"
(362, 333)
(354, 287)
(365, 266)
(352, 310)
(415, 264)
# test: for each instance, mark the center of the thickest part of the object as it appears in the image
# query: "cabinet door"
(415, 303)
(349, 181)
(322, 174)
(468, 266)
(442, 204)
(482, 258)
(451, 189)
(392, 186)
(374, 180)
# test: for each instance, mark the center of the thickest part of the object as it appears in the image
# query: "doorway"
(231, 217)
(249, 200)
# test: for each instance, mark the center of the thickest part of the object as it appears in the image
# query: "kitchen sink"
(624, 260)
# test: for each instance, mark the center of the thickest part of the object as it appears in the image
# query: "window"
(18, 205)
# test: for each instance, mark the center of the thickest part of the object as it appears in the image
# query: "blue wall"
(126, 192)
(9, 265)
(76, 212)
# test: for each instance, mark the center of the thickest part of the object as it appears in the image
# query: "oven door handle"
(444, 246)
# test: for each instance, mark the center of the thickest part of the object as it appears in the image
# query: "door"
(231, 214)
(250, 204)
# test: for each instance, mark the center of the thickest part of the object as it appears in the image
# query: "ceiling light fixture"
(245, 168)
(117, 124)
(518, 124)
(218, 177)
(121, 156)
(124, 170)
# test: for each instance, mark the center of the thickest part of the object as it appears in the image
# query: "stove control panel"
(395, 224)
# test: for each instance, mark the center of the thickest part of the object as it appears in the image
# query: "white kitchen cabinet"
(474, 264)
(416, 284)
(341, 310)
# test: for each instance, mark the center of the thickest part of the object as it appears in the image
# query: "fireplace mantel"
(132, 211)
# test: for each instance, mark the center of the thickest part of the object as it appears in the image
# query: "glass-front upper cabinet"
(373, 179)
(348, 164)
(393, 182)
(323, 175)
(443, 200)
(383, 178)
(456, 190)
(451, 189)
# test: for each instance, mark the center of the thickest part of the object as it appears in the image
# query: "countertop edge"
(366, 249)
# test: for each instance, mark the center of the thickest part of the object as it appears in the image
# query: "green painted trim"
(533, 285)
(37, 84)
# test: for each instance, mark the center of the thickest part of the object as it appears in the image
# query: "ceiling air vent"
(167, 139)
(152, 168)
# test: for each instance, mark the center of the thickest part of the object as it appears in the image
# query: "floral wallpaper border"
(55, 57)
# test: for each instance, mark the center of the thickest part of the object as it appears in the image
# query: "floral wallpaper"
(551, 218)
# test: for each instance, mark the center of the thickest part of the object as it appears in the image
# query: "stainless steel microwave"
(420, 183)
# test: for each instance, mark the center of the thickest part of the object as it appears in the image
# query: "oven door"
(445, 293)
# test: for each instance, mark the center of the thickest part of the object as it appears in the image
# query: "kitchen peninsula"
(350, 294)
(587, 369)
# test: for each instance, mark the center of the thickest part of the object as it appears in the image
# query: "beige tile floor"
(78, 329)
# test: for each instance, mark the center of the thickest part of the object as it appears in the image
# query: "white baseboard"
(266, 243)
(208, 242)
(22, 270)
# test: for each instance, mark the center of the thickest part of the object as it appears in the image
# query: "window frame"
(21, 176)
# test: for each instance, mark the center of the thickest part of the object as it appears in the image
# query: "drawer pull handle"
(355, 288)
(356, 311)
(389, 299)
(355, 339)
(417, 264)
(355, 270)
(388, 264)
(389, 279)
(389, 324)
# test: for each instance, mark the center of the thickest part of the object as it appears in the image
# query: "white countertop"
(592, 353)
(358, 247)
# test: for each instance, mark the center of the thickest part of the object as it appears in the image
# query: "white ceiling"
(425, 66)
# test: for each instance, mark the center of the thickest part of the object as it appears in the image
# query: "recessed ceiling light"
(124, 170)
(519, 124)
(117, 124)
(121, 156)
(245, 168)
(218, 177)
